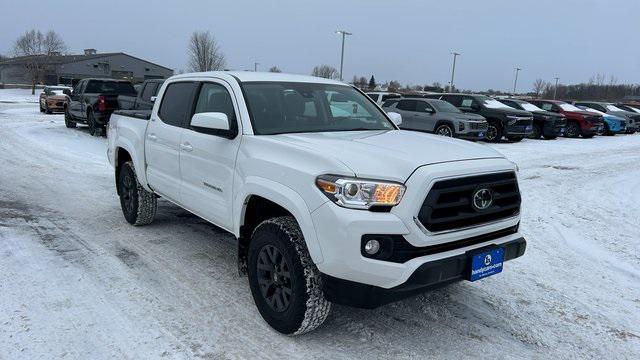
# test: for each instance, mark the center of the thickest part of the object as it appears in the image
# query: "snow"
(19, 96)
(76, 281)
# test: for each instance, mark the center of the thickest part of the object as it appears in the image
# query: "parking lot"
(77, 280)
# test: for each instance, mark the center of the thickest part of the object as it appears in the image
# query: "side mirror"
(153, 99)
(395, 118)
(66, 92)
(214, 123)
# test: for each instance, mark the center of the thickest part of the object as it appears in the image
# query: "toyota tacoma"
(327, 205)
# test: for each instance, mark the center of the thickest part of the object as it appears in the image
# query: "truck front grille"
(450, 203)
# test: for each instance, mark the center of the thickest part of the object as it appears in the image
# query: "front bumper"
(428, 276)
(471, 135)
(519, 130)
(340, 230)
(554, 128)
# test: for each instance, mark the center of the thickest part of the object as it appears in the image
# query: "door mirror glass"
(210, 122)
(395, 118)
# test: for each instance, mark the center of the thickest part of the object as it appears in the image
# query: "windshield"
(494, 104)
(530, 107)
(613, 108)
(443, 106)
(289, 107)
(569, 107)
(109, 87)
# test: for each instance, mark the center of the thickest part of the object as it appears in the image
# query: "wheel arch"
(271, 199)
(121, 154)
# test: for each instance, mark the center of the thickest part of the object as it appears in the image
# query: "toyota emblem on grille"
(482, 199)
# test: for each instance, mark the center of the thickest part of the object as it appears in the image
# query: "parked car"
(612, 124)
(547, 124)
(632, 118)
(52, 98)
(144, 98)
(438, 117)
(629, 107)
(503, 120)
(381, 96)
(579, 122)
(93, 100)
(326, 207)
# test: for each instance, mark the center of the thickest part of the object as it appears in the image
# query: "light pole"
(255, 66)
(453, 70)
(515, 82)
(555, 89)
(344, 34)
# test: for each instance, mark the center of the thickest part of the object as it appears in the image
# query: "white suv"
(329, 202)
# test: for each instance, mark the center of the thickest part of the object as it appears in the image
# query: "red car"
(579, 122)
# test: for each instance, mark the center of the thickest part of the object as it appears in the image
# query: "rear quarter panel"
(128, 133)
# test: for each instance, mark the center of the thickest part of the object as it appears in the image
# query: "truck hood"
(388, 155)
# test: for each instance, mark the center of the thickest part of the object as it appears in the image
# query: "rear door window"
(453, 100)
(423, 106)
(546, 106)
(151, 89)
(407, 105)
(177, 103)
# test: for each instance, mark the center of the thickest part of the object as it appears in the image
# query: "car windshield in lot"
(110, 87)
(290, 107)
(530, 107)
(493, 104)
(613, 108)
(443, 106)
(569, 107)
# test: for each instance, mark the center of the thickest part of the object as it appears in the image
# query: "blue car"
(612, 124)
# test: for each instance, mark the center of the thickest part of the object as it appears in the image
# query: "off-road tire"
(68, 121)
(307, 308)
(572, 130)
(536, 132)
(138, 205)
(444, 130)
(494, 132)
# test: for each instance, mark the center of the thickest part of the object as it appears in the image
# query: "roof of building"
(65, 59)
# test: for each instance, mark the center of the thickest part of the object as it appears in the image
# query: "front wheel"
(444, 130)
(536, 132)
(68, 121)
(494, 132)
(285, 283)
(138, 205)
(573, 130)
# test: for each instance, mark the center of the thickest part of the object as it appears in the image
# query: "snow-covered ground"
(76, 281)
(19, 96)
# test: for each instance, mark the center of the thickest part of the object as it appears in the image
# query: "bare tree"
(538, 86)
(393, 86)
(325, 71)
(37, 50)
(275, 69)
(204, 53)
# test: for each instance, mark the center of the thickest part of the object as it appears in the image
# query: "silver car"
(438, 117)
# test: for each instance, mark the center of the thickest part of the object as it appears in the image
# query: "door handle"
(152, 137)
(186, 147)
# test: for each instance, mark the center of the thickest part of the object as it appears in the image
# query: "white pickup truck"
(329, 200)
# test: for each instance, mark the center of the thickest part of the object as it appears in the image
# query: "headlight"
(512, 119)
(360, 194)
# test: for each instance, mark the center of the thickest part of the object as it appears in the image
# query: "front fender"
(285, 197)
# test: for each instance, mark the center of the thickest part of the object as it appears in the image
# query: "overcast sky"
(409, 41)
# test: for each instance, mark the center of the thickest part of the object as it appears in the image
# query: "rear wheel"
(444, 130)
(138, 205)
(494, 132)
(285, 283)
(573, 130)
(68, 121)
(93, 126)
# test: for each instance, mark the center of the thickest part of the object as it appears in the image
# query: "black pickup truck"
(144, 99)
(92, 101)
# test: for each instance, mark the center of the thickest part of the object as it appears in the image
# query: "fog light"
(372, 247)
